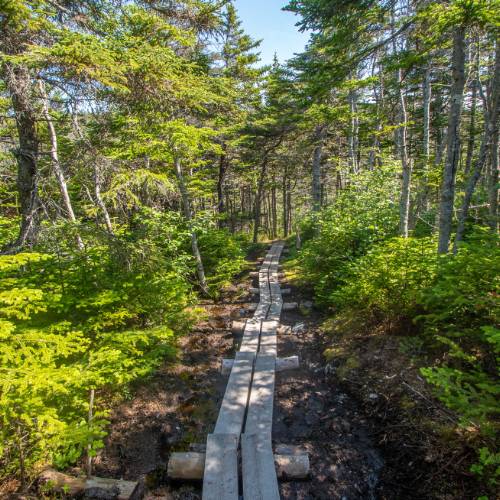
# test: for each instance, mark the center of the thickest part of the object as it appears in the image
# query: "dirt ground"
(349, 420)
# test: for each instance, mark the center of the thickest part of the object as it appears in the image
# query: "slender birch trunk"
(56, 165)
(354, 132)
(186, 205)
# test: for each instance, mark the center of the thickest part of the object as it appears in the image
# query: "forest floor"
(362, 412)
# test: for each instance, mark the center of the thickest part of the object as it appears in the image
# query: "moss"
(406, 403)
(333, 352)
(350, 364)
(344, 323)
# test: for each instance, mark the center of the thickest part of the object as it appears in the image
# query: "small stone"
(299, 328)
(373, 396)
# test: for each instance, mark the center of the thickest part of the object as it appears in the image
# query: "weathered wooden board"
(268, 344)
(253, 398)
(259, 474)
(251, 335)
(260, 405)
(232, 411)
(220, 478)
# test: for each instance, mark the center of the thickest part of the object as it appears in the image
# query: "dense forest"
(145, 150)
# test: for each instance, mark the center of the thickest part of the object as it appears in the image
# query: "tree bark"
(258, 199)
(19, 85)
(426, 97)
(472, 123)
(493, 127)
(274, 221)
(453, 141)
(285, 205)
(354, 132)
(186, 205)
(402, 147)
(221, 206)
(319, 136)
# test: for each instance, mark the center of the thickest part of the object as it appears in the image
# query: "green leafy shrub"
(72, 321)
(388, 280)
(462, 312)
(223, 256)
(363, 214)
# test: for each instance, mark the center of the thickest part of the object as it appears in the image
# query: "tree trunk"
(19, 85)
(354, 132)
(221, 206)
(493, 132)
(426, 96)
(258, 199)
(453, 141)
(422, 203)
(56, 166)
(284, 196)
(402, 147)
(472, 125)
(99, 201)
(319, 137)
(274, 221)
(186, 205)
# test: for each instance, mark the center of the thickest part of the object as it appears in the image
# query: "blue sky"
(264, 19)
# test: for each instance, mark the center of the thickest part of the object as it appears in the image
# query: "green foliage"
(75, 321)
(389, 279)
(453, 301)
(223, 256)
(360, 216)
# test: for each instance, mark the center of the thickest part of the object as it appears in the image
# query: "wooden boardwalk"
(246, 413)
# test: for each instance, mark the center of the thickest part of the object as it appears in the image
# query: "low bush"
(363, 214)
(72, 321)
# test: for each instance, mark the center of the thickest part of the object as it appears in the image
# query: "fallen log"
(292, 466)
(190, 465)
(58, 482)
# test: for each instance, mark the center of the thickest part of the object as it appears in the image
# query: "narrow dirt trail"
(180, 405)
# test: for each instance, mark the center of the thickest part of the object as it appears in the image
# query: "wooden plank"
(274, 312)
(251, 334)
(260, 404)
(259, 474)
(268, 341)
(232, 411)
(220, 478)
